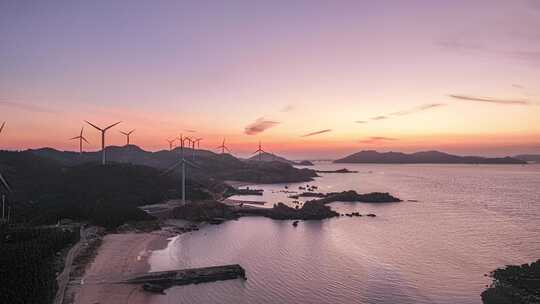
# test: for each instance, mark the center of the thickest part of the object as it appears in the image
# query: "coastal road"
(63, 278)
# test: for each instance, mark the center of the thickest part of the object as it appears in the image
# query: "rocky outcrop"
(280, 211)
(344, 170)
(514, 284)
(205, 211)
(352, 196)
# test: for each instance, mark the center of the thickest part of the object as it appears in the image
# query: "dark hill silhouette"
(44, 190)
(271, 157)
(428, 157)
(211, 165)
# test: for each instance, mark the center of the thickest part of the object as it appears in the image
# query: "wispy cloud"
(517, 86)
(24, 106)
(375, 139)
(259, 125)
(520, 102)
(473, 48)
(190, 131)
(317, 133)
(287, 108)
(418, 109)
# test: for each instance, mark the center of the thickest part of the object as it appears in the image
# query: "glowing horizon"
(309, 79)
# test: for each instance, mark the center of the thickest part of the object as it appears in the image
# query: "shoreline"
(119, 256)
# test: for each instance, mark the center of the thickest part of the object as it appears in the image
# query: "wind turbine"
(80, 138)
(103, 131)
(260, 151)
(171, 142)
(198, 141)
(224, 148)
(2, 126)
(183, 162)
(127, 134)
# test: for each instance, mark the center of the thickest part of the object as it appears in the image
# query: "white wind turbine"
(171, 143)
(260, 151)
(224, 148)
(80, 138)
(103, 131)
(127, 134)
(182, 162)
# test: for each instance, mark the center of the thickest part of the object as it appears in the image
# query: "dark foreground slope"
(429, 157)
(45, 190)
(210, 165)
(28, 263)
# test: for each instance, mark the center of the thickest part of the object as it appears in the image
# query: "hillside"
(44, 190)
(211, 165)
(428, 157)
(270, 157)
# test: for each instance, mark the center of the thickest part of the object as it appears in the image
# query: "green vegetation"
(27, 263)
(108, 196)
(514, 284)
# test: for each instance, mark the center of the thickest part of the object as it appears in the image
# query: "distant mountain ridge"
(425, 157)
(210, 164)
(269, 157)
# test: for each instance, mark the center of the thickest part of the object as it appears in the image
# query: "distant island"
(532, 158)
(427, 157)
(271, 157)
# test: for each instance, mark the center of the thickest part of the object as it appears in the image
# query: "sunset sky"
(310, 79)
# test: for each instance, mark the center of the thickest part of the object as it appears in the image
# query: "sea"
(456, 224)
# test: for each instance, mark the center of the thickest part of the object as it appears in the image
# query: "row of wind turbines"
(194, 142)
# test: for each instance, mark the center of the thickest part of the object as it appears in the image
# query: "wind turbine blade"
(93, 125)
(228, 150)
(76, 137)
(82, 137)
(82, 129)
(131, 131)
(124, 133)
(5, 183)
(2, 127)
(192, 164)
(107, 128)
(171, 168)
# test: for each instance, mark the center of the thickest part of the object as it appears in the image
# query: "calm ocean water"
(462, 221)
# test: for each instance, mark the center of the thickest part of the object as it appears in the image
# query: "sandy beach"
(120, 256)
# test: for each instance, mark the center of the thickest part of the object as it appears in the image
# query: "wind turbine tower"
(103, 131)
(182, 162)
(127, 134)
(80, 138)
